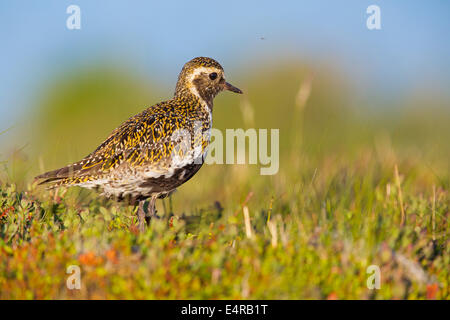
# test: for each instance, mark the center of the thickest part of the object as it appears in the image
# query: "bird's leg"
(151, 209)
(141, 216)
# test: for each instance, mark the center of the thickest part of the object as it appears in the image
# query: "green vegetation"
(336, 206)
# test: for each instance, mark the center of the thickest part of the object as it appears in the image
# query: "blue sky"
(412, 47)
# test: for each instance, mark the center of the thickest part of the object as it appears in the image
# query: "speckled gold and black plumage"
(157, 150)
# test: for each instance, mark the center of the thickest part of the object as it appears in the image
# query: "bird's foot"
(142, 225)
(151, 215)
(141, 215)
(146, 212)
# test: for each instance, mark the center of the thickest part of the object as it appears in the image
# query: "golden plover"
(155, 151)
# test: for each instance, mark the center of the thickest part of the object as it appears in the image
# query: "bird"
(154, 152)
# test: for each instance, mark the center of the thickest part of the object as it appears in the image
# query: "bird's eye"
(213, 76)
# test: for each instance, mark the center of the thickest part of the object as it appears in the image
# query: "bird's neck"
(193, 95)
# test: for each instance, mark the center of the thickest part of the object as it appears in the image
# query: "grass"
(351, 192)
(317, 243)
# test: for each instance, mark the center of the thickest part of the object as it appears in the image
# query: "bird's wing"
(148, 139)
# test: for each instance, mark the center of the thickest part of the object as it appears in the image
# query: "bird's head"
(204, 78)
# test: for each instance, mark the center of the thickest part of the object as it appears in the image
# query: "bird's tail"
(64, 176)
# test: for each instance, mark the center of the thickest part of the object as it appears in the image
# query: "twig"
(249, 196)
(273, 231)
(248, 227)
(400, 196)
(433, 214)
(270, 209)
(304, 92)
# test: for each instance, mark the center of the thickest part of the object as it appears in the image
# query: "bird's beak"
(231, 88)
